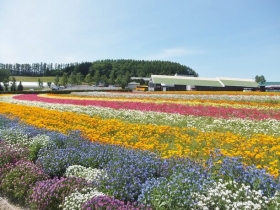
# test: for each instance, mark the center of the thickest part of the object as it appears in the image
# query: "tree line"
(35, 69)
(137, 68)
(100, 71)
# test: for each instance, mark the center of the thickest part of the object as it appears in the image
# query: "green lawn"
(34, 79)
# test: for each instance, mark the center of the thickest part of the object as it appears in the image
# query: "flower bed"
(141, 154)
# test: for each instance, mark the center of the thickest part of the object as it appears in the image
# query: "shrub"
(21, 178)
(11, 153)
(4, 170)
(35, 144)
(50, 194)
(20, 87)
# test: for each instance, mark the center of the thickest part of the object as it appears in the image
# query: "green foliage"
(88, 79)
(4, 73)
(6, 83)
(33, 152)
(260, 79)
(108, 71)
(37, 143)
(40, 83)
(136, 68)
(79, 78)
(64, 79)
(72, 79)
(56, 79)
(13, 86)
(96, 77)
(121, 81)
(112, 69)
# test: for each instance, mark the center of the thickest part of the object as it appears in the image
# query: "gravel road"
(6, 205)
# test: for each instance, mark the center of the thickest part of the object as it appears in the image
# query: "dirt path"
(5, 205)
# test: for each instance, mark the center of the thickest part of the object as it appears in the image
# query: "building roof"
(182, 80)
(134, 83)
(199, 81)
(138, 78)
(269, 83)
(238, 82)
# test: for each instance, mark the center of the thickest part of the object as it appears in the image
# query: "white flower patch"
(14, 135)
(17, 135)
(230, 195)
(83, 172)
(41, 140)
(75, 200)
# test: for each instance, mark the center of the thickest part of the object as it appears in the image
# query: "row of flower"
(242, 101)
(49, 170)
(196, 108)
(257, 142)
(234, 125)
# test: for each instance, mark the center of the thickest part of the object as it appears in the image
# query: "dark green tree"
(64, 79)
(96, 77)
(79, 78)
(72, 79)
(20, 87)
(142, 82)
(88, 79)
(260, 79)
(4, 73)
(127, 77)
(111, 79)
(104, 79)
(40, 83)
(13, 85)
(56, 80)
(6, 83)
(121, 81)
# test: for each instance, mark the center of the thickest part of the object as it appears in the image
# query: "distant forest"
(101, 71)
(136, 68)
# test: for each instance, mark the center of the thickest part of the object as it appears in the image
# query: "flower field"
(161, 150)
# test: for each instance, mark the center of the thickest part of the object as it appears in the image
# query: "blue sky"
(216, 38)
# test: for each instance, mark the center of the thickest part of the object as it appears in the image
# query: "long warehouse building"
(168, 83)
